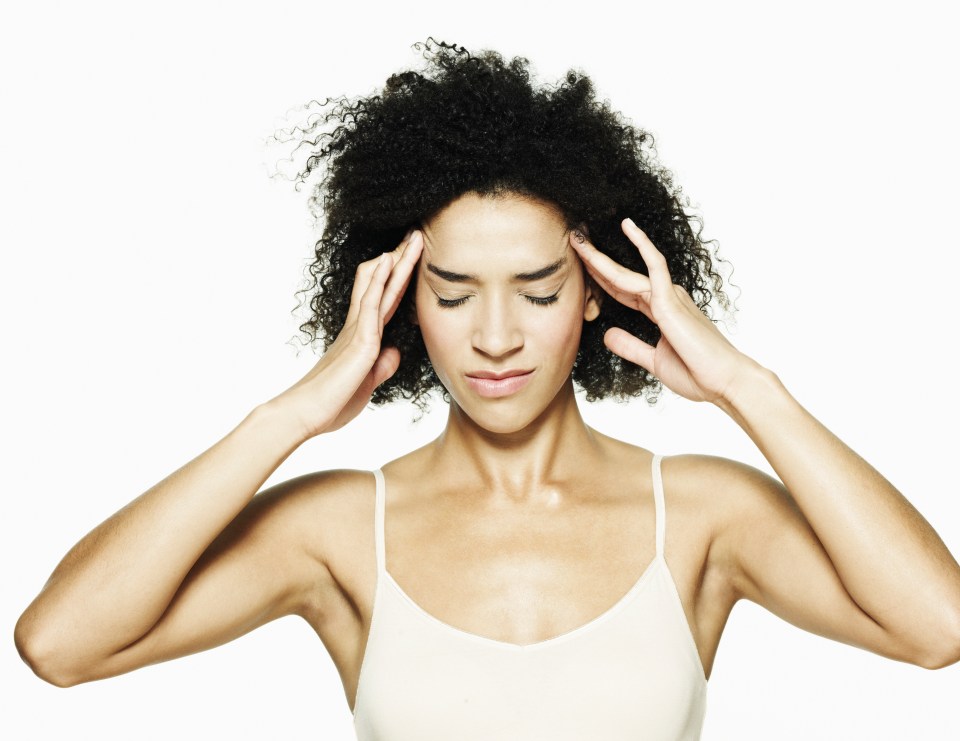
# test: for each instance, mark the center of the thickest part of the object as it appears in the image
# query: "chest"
(520, 576)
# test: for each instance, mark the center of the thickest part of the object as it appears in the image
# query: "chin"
(498, 421)
(503, 423)
(502, 416)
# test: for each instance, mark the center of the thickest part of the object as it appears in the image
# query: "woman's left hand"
(692, 357)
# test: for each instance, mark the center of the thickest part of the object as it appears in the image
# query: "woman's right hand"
(339, 386)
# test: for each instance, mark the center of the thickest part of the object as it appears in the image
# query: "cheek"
(561, 330)
(562, 324)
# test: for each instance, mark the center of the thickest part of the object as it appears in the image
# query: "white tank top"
(631, 673)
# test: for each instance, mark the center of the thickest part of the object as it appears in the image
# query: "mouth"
(493, 385)
(499, 376)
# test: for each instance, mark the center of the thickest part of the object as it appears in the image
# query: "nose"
(497, 332)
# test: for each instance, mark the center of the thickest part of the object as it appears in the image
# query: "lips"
(491, 384)
(497, 376)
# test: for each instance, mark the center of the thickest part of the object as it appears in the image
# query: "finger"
(404, 259)
(656, 263)
(362, 278)
(361, 281)
(639, 301)
(369, 324)
(625, 279)
(630, 348)
(385, 366)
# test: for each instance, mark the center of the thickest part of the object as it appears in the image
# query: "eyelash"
(449, 303)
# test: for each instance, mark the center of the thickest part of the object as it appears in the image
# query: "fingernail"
(578, 235)
(630, 222)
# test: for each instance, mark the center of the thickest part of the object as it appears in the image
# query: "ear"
(593, 298)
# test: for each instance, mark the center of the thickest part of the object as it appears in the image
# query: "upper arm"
(265, 564)
(772, 557)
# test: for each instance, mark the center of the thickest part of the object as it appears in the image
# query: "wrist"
(277, 419)
(751, 389)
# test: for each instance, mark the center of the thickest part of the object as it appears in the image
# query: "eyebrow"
(464, 278)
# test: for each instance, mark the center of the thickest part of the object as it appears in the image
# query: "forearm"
(889, 558)
(115, 584)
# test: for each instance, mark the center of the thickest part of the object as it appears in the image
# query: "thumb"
(385, 365)
(630, 348)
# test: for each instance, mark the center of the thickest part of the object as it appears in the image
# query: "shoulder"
(726, 487)
(320, 489)
(742, 504)
(306, 513)
(309, 522)
(713, 476)
(318, 510)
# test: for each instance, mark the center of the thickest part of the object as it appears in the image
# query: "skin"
(518, 508)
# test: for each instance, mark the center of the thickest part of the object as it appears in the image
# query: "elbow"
(37, 653)
(947, 653)
(942, 661)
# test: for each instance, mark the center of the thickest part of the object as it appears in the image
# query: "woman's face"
(500, 291)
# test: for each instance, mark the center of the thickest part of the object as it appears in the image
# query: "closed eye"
(448, 302)
(538, 300)
(543, 300)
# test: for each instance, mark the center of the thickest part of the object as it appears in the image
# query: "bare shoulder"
(689, 478)
(714, 480)
(323, 507)
(724, 488)
(744, 505)
(702, 466)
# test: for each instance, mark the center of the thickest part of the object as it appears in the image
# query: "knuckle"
(365, 267)
(368, 266)
(365, 300)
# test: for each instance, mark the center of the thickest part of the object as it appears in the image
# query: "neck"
(524, 465)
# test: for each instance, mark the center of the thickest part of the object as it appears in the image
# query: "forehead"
(489, 236)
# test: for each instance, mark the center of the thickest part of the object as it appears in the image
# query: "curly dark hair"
(476, 123)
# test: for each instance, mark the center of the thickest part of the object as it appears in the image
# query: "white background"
(149, 266)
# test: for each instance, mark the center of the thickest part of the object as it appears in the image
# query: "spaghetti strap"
(378, 521)
(661, 516)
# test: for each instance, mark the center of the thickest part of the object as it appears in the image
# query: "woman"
(515, 578)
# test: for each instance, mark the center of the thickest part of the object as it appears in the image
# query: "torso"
(549, 568)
